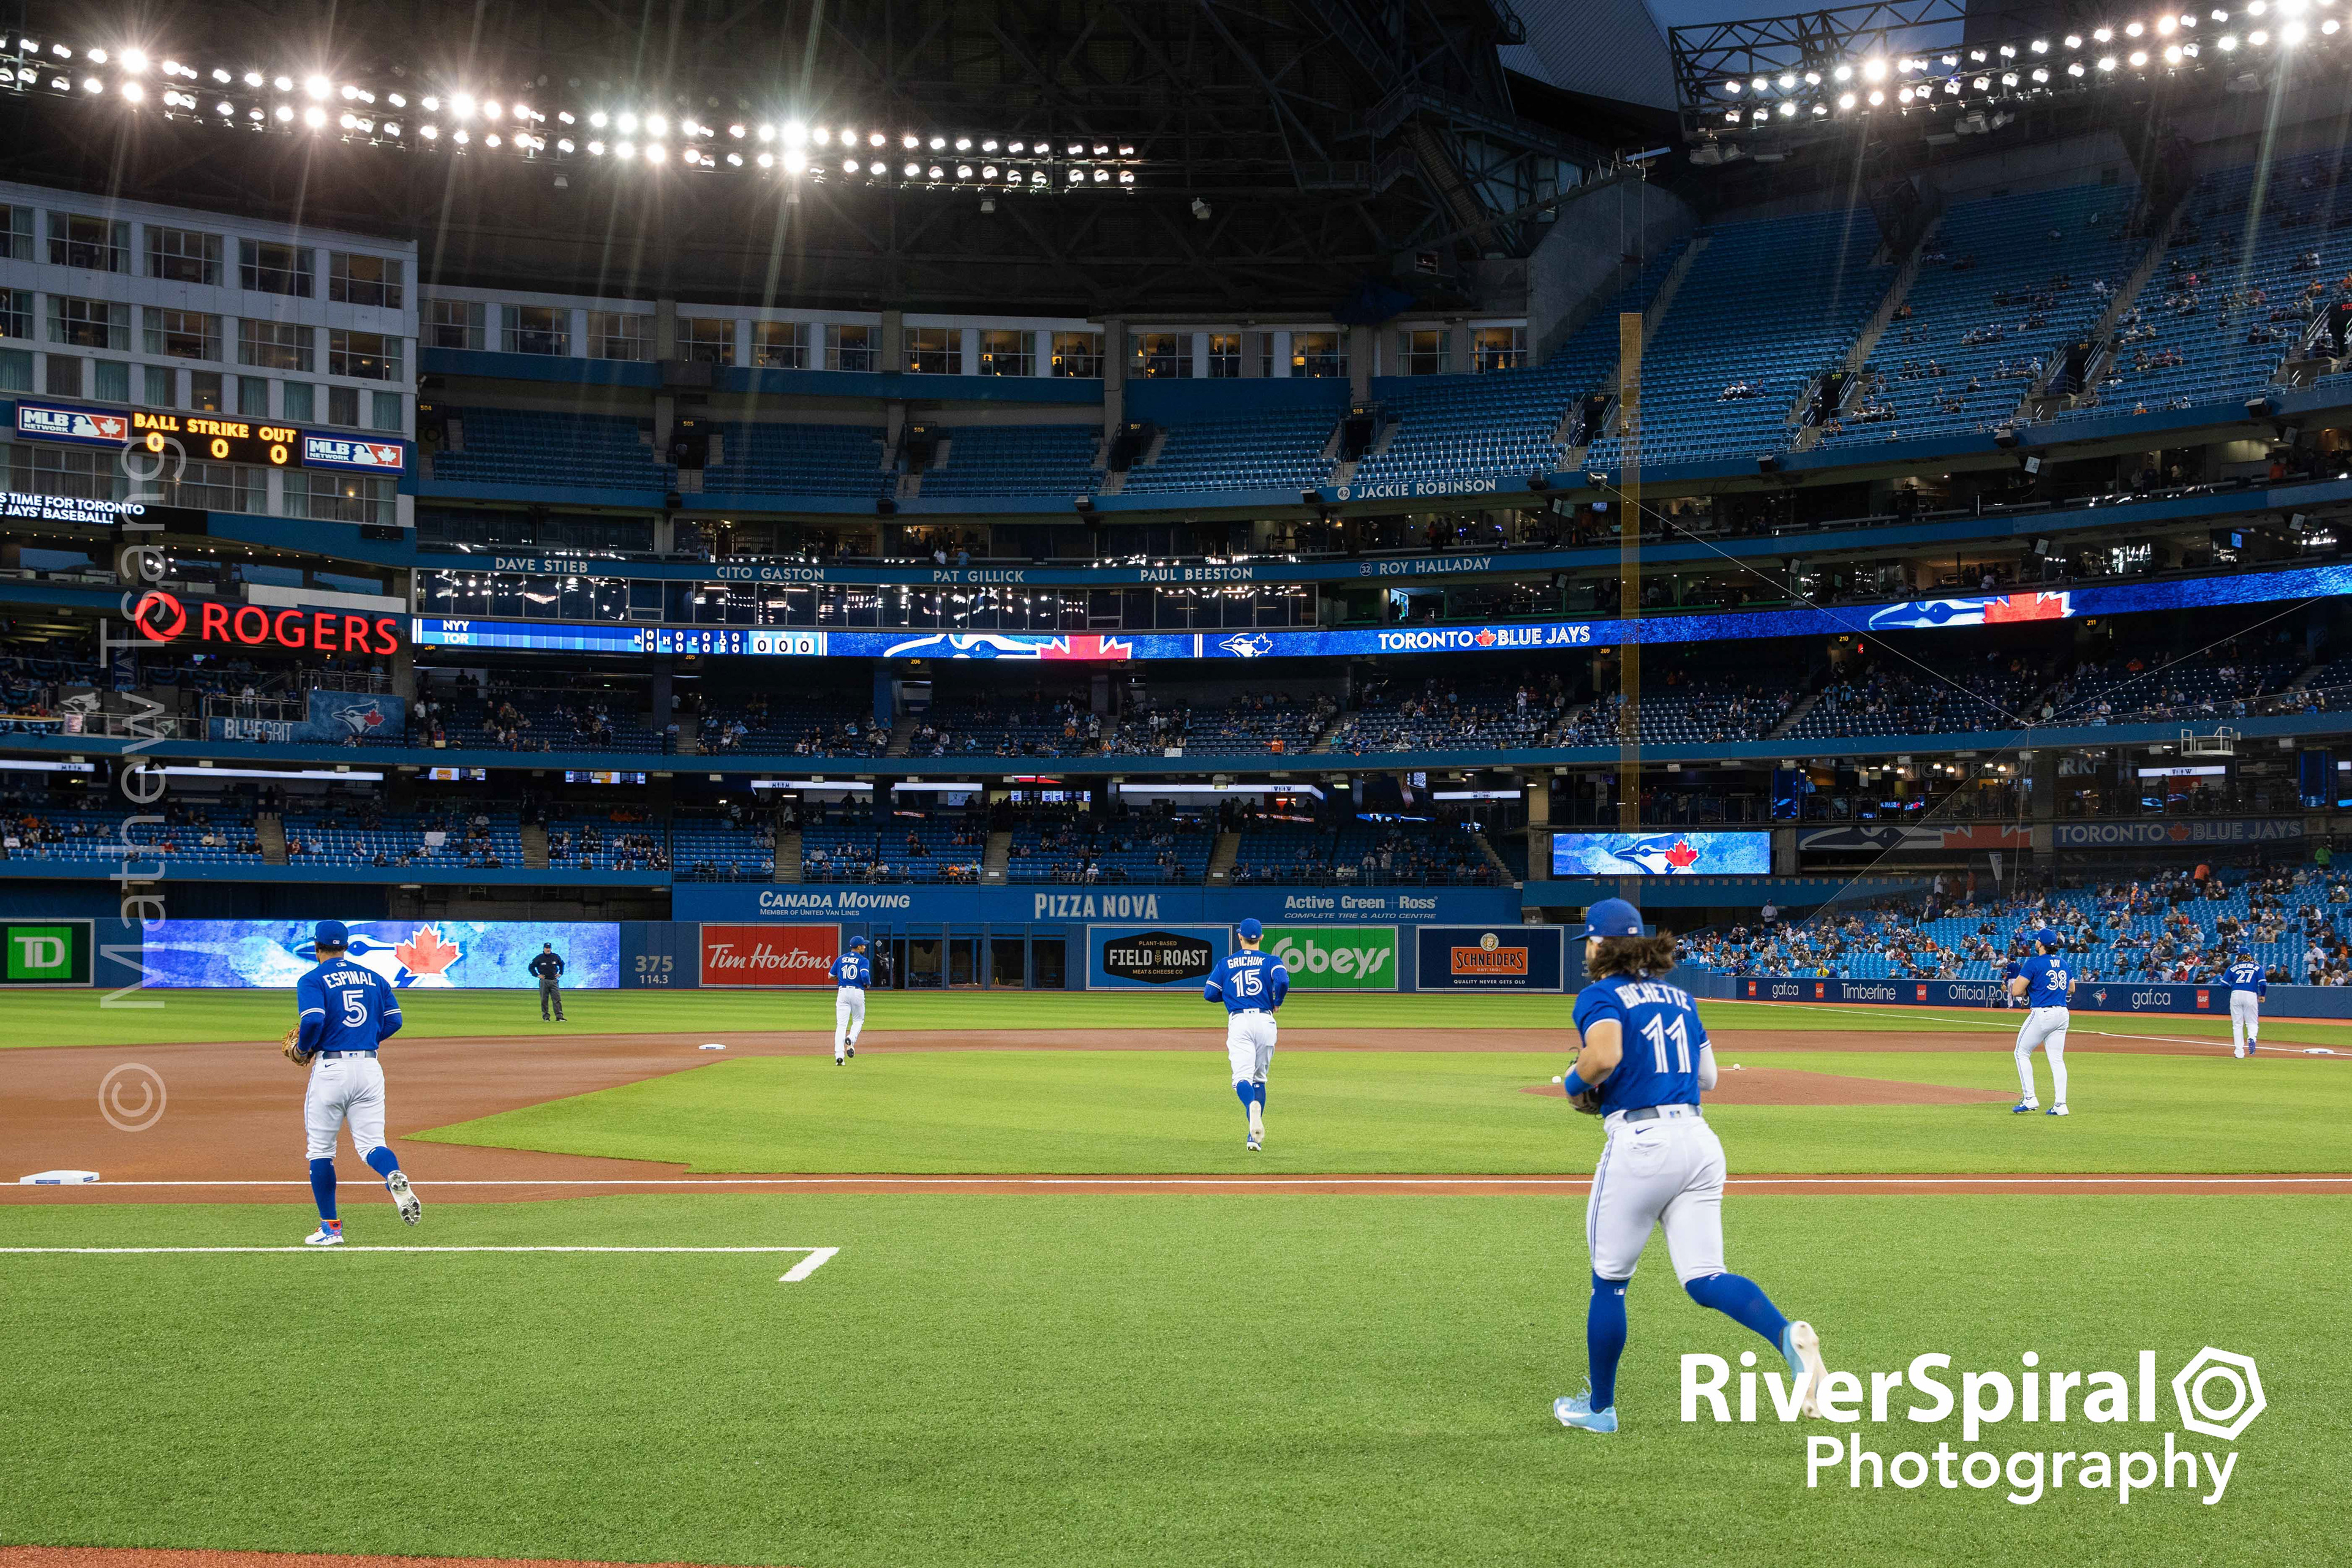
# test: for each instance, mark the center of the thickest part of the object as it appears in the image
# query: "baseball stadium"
(702, 863)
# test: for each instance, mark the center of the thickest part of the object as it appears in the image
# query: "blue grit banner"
(335, 718)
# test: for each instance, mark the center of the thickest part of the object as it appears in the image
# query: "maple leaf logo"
(426, 956)
(1682, 856)
(1485, 637)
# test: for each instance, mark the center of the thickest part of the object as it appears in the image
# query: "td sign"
(1336, 958)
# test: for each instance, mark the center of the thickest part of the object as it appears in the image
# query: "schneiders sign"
(2216, 1393)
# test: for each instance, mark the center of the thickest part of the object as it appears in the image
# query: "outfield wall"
(2090, 996)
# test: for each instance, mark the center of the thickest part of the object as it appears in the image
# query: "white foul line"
(817, 1256)
(1145, 1182)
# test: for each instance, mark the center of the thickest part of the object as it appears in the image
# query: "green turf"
(79, 1017)
(1417, 1111)
(1036, 1382)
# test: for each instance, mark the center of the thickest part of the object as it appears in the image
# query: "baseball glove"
(1589, 1102)
(291, 1043)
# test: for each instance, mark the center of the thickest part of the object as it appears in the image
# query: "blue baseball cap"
(857, 941)
(1251, 931)
(330, 933)
(1612, 917)
(2045, 937)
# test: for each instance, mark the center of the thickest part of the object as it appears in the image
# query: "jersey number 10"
(1658, 1034)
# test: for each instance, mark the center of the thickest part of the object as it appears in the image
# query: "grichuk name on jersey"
(1097, 906)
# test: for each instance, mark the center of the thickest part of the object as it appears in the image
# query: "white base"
(713, 1047)
(58, 1179)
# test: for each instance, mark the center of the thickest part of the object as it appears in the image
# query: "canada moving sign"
(160, 617)
(769, 954)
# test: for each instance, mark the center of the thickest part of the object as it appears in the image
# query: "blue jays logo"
(422, 958)
(1928, 613)
(1248, 645)
(1660, 855)
(361, 719)
(1087, 646)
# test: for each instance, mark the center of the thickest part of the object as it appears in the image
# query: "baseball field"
(1008, 1290)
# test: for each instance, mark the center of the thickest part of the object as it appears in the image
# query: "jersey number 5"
(1658, 1034)
(354, 1010)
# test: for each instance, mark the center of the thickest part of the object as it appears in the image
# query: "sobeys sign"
(1336, 958)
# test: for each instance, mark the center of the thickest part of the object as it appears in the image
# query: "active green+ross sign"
(1336, 958)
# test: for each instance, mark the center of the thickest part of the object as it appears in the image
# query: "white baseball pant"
(848, 1015)
(2245, 1019)
(343, 1089)
(1669, 1173)
(2046, 1027)
(1249, 1044)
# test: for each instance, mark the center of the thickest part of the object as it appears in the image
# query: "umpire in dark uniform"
(548, 966)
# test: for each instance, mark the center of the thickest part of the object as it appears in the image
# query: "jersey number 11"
(1658, 1034)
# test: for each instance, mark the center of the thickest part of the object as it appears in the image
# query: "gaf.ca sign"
(774, 955)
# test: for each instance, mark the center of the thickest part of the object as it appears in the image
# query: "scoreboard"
(211, 437)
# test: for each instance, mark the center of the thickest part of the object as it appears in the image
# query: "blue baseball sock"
(322, 1187)
(1604, 1338)
(1242, 1093)
(1739, 1297)
(380, 1159)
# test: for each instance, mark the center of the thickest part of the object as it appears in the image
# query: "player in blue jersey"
(1644, 1062)
(2046, 983)
(2008, 973)
(2248, 986)
(852, 973)
(1251, 984)
(347, 1012)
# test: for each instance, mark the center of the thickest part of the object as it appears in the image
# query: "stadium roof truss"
(1282, 149)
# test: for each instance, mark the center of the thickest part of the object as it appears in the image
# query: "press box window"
(1007, 353)
(364, 356)
(88, 323)
(1421, 352)
(538, 330)
(338, 498)
(702, 340)
(181, 335)
(95, 244)
(273, 345)
(1318, 354)
(218, 487)
(849, 348)
(1224, 356)
(270, 268)
(615, 334)
(1163, 355)
(455, 324)
(1498, 348)
(357, 279)
(780, 346)
(934, 351)
(1078, 354)
(184, 256)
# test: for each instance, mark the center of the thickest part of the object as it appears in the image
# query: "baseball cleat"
(1251, 1145)
(839, 1060)
(853, 1051)
(2238, 1051)
(1575, 1410)
(411, 1206)
(1801, 1348)
(323, 1237)
(2059, 1110)
(2022, 1106)
(2251, 1047)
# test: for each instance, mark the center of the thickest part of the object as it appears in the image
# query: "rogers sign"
(769, 954)
(162, 617)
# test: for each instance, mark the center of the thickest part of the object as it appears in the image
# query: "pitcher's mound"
(1792, 1086)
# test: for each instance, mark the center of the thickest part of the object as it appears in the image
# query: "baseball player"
(2247, 988)
(347, 1011)
(851, 976)
(2047, 987)
(548, 967)
(1644, 1060)
(1251, 984)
